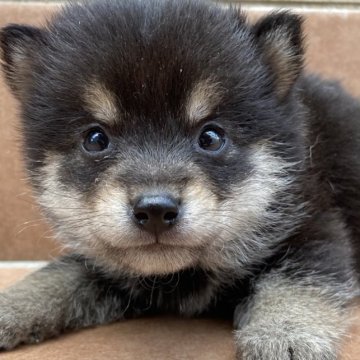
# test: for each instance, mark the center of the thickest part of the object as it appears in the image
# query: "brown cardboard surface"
(158, 339)
(146, 339)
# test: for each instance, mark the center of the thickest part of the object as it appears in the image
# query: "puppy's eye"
(96, 140)
(211, 139)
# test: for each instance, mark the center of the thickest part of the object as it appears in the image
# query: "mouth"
(168, 240)
(153, 258)
(158, 246)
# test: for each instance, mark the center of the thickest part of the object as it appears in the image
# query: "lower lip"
(158, 247)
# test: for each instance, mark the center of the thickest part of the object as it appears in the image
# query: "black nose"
(156, 213)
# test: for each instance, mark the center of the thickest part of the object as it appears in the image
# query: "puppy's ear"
(19, 45)
(280, 38)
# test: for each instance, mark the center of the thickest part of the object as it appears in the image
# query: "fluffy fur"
(268, 226)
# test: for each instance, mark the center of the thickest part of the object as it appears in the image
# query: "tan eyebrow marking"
(204, 98)
(101, 103)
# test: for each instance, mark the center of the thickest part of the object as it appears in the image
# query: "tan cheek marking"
(258, 190)
(111, 201)
(63, 206)
(101, 103)
(60, 201)
(245, 211)
(204, 98)
(251, 198)
(248, 202)
(200, 197)
(74, 216)
(200, 210)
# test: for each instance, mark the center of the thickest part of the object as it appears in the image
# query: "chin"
(158, 259)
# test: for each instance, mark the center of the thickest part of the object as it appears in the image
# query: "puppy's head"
(160, 135)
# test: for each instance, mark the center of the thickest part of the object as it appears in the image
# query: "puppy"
(171, 143)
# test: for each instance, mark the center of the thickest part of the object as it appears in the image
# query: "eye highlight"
(212, 139)
(96, 141)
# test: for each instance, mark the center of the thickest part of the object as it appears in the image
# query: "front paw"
(16, 326)
(272, 343)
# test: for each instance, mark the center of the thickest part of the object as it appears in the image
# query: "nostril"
(170, 216)
(141, 217)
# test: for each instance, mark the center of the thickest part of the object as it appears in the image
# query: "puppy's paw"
(16, 326)
(283, 344)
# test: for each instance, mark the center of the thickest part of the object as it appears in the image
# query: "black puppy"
(171, 143)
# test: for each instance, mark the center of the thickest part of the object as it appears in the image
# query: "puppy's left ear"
(280, 39)
(19, 45)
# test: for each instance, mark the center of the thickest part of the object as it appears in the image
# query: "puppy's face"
(160, 135)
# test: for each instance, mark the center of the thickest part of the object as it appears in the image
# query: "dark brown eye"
(96, 140)
(211, 139)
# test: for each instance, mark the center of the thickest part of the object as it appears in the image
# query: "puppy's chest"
(188, 293)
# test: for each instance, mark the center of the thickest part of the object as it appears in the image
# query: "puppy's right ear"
(19, 45)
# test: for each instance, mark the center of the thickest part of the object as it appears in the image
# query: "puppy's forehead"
(204, 96)
(147, 59)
